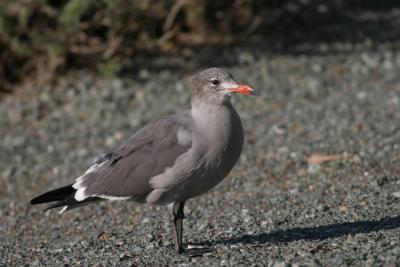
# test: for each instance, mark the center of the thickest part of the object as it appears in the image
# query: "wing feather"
(125, 172)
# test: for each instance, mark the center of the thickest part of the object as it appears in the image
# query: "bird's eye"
(214, 81)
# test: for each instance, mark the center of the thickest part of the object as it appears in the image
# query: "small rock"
(395, 194)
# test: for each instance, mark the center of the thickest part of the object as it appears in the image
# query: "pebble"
(274, 209)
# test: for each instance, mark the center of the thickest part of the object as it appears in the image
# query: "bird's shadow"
(314, 233)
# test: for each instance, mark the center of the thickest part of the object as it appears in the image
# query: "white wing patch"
(80, 194)
(63, 209)
(78, 185)
(113, 197)
(78, 182)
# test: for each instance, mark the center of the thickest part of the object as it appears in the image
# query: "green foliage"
(109, 68)
(55, 35)
(72, 12)
(23, 17)
(111, 4)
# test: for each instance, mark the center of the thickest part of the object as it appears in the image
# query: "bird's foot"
(193, 251)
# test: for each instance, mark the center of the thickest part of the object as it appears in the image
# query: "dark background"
(40, 40)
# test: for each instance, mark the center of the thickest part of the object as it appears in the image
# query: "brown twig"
(169, 21)
(112, 47)
(321, 158)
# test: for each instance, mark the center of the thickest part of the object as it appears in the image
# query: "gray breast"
(214, 152)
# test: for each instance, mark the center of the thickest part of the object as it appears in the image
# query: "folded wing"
(125, 173)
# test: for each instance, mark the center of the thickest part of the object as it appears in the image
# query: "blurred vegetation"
(40, 38)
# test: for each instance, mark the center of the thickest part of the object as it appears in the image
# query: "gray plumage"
(171, 159)
(127, 171)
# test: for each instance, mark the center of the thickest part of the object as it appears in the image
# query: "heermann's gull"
(169, 160)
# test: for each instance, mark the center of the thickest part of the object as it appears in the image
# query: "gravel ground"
(280, 206)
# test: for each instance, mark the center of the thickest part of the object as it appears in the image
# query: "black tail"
(58, 194)
(64, 197)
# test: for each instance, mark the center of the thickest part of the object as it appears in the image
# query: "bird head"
(217, 85)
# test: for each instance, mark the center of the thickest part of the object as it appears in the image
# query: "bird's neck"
(215, 123)
(206, 115)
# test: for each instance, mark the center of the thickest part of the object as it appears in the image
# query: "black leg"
(177, 219)
(178, 215)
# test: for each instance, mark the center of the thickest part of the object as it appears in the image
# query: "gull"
(170, 160)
